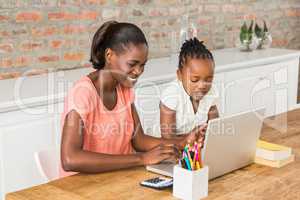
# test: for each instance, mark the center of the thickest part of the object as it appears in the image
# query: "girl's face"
(196, 76)
(126, 67)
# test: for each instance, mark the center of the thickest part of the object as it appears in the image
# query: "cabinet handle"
(262, 78)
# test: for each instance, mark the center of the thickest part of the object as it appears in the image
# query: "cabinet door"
(21, 137)
(245, 88)
(293, 72)
(147, 103)
(270, 86)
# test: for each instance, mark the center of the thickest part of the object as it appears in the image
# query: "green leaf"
(265, 27)
(258, 31)
(244, 27)
(250, 29)
(244, 32)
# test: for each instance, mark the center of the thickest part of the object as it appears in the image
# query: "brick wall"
(38, 36)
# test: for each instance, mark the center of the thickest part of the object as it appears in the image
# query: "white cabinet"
(22, 134)
(272, 86)
(218, 91)
(147, 98)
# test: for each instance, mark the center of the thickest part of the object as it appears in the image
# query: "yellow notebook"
(271, 146)
(277, 163)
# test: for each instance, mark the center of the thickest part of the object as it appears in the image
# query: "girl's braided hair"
(193, 48)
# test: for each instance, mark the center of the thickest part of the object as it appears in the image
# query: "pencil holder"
(190, 185)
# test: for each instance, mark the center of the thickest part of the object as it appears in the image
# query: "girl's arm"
(74, 158)
(168, 127)
(167, 122)
(213, 113)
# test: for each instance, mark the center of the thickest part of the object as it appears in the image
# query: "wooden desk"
(252, 182)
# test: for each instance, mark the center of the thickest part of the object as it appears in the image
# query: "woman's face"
(126, 67)
(197, 76)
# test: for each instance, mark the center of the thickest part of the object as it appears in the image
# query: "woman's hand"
(196, 135)
(160, 153)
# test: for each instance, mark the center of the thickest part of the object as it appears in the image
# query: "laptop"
(230, 144)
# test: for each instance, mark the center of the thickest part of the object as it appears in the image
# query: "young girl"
(101, 128)
(189, 102)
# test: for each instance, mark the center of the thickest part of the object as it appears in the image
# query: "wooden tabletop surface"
(252, 182)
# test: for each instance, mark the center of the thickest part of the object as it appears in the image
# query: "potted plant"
(246, 37)
(263, 36)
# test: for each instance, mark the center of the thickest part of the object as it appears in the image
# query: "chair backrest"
(47, 162)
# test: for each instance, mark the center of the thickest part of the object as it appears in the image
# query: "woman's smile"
(132, 80)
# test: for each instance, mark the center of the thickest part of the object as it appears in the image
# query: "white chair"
(47, 162)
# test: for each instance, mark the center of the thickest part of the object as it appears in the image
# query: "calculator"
(158, 183)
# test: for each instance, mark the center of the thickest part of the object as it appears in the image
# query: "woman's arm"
(74, 158)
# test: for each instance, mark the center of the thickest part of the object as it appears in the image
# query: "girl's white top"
(176, 98)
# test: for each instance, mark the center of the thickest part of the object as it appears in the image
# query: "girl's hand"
(201, 136)
(160, 153)
(196, 135)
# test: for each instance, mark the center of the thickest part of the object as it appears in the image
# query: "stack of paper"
(273, 155)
